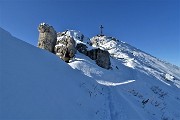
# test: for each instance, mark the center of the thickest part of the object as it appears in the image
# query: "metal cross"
(101, 27)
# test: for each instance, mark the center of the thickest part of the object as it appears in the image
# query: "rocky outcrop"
(82, 48)
(65, 48)
(101, 57)
(47, 37)
(63, 44)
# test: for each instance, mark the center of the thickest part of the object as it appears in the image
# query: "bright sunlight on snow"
(36, 84)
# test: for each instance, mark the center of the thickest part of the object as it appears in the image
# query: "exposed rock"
(63, 44)
(82, 48)
(101, 57)
(47, 37)
(65, 48)
(59, 34)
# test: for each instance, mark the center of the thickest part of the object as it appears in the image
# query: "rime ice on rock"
(47, 37)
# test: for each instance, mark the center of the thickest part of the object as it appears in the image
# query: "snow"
(107, 83)
(169, 77)
(148, 75)
(77, 36)
(128, 95)
(59, 45)
(36, 84)
(43, 23)
(139, 60)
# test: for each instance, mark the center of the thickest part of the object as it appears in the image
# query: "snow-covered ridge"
(77, 36)
(137, 59)
(152, 80)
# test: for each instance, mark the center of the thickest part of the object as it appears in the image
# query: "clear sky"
(150, 25)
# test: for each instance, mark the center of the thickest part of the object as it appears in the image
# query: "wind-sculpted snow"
(154, 93)
(145, 97)
(36, 84)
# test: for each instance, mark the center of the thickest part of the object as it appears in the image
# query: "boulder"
(47, 37)
(101, 57)
(65, 48)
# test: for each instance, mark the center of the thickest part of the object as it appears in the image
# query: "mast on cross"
(101, 27)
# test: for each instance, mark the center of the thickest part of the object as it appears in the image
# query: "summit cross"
(101, 27)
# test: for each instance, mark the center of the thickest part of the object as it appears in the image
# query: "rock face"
(65, 47)
(63, 44)
(47, 37)
(101, 57)
(82, 48)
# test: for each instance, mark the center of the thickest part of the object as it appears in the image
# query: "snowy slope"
(128, 88)
(36, 84)
(138, 84)
(139, 60)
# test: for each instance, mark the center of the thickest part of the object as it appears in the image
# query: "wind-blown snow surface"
(35, 84)
(139, 85)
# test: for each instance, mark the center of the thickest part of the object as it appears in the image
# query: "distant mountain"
(36, 84)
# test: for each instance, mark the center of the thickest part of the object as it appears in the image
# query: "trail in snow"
(111, 105)
(107, 83)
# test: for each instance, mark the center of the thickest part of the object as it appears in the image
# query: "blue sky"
(150, 25)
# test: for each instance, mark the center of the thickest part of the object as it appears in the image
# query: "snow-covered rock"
(66, 44)
(65, 47)
(71, 40)
(169, 77)
(82, 48)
